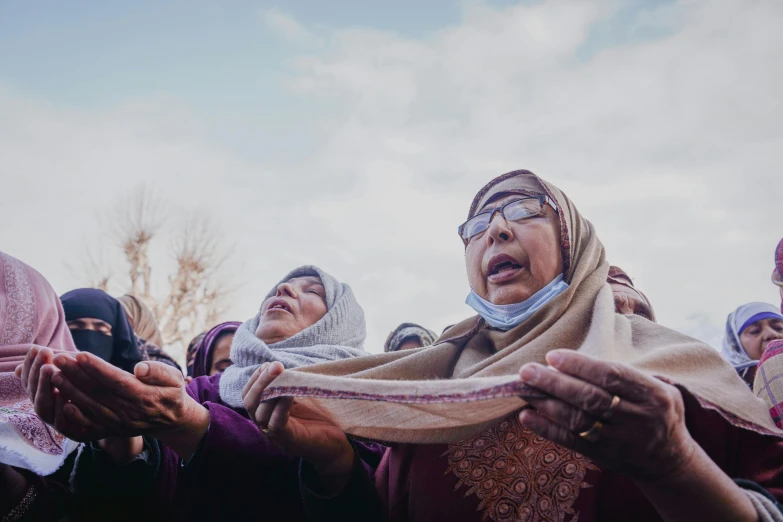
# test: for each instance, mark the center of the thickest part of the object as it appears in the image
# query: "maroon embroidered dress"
(509, 474)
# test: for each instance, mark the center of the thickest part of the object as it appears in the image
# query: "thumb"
(157, 374)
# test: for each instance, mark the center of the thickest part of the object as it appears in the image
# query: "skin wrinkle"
(539, 235)
(758, 335)
(306, 298)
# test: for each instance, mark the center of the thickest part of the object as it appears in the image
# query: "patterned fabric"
(777, 273)
(546, 478)
(30, 314)
(768, 384)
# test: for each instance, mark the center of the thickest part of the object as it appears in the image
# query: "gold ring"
(608, 413)
(594, 433)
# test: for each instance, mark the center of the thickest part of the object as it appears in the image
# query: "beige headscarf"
(142, 319)
(468, 380)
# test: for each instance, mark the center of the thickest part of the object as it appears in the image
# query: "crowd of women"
(562, 399)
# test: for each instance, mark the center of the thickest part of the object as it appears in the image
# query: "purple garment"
(203, 360)
(237, 474)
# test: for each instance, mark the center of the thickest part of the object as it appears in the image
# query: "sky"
(354, 135)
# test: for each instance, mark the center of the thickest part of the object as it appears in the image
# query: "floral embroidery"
(517, 475)
(19, 325)
(31, 428)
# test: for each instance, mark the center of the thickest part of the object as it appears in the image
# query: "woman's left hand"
(641, 433)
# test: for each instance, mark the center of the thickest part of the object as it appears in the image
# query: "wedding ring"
(608, 413)
(594, 433)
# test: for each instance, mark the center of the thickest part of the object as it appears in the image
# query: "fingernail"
(276, 369)
(554, 358)
(529, 373)
(142, 369)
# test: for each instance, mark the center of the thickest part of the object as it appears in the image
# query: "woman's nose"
(285, 289)
(771, 334)
(498, 229)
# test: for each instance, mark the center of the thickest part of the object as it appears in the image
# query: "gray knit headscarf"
(337, 335)
(407, 331)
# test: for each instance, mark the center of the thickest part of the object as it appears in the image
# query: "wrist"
(185, 436)
(682, 464)
(341, 464)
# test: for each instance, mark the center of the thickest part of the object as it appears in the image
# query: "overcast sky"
(353, 135)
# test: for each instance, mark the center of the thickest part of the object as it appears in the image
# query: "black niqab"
(120, 349)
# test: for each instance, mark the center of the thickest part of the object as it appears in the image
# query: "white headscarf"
(738, 320)
(337, 335)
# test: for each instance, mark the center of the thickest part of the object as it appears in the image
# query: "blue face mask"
(506, 317)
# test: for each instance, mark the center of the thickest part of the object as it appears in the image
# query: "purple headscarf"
(203, 361)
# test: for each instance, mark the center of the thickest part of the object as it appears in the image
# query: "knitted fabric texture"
(337, 335)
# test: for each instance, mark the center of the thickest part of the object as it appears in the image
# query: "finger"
(75, 416)
(18, 372)
(552, 431)
(32, 353)
(253, 396)
(616, 378)
(583, 395)
(113, 379)
(278, 421)
(79, 378)
(44, 357)
(253, 378)
(564, 414)
(158, 374)
(92, 408)
(44, 398)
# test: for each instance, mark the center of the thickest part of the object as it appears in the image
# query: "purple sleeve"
(237, 474)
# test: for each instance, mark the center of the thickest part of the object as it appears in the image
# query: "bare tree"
(197, 287)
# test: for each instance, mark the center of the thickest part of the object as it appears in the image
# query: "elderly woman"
(31, 319)
(408, 336)
(207, 460)
(212, 354)
(627, 298)
(749, 330)
(627, 420)
(145, 326)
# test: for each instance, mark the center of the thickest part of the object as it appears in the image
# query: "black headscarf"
(120, 349)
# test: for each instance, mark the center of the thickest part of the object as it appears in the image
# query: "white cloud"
(669, 145)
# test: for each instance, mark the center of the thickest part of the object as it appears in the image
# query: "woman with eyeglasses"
(546, 405)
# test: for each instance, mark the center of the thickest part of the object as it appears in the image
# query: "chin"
(504, 296)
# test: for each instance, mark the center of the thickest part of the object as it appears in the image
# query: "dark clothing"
(236, 474)
(507, 472)
(119, 348)
(151, 352)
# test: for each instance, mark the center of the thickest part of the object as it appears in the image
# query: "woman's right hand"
(297, 430)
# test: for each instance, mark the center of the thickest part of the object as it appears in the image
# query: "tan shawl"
(142, 319)
(468, 380)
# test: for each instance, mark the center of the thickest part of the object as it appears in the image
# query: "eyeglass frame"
(542, 199)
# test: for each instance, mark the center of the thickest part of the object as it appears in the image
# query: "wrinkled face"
(512, 260)
(758, 335)
(627, 301)
(298, 304)
(90, 323)
(221, 353)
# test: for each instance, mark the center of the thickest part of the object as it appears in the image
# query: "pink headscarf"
(777, 274)
(30, 314)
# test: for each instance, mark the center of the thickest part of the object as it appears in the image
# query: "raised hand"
(295, 429)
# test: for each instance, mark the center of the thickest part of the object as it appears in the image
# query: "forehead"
(306, 280)
(501, 198)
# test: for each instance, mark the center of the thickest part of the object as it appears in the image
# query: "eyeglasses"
(515, 210)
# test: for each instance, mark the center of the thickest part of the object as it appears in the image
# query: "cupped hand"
(295, 429)
(643, 436)
(104, 401)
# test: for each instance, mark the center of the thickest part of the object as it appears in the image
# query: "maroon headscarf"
(203, 361)
(777, 274)
(618, 276)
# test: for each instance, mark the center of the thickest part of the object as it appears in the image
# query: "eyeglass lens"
(513, 211)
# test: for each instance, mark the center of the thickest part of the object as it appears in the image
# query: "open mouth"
(503, 267)
(279, 305)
